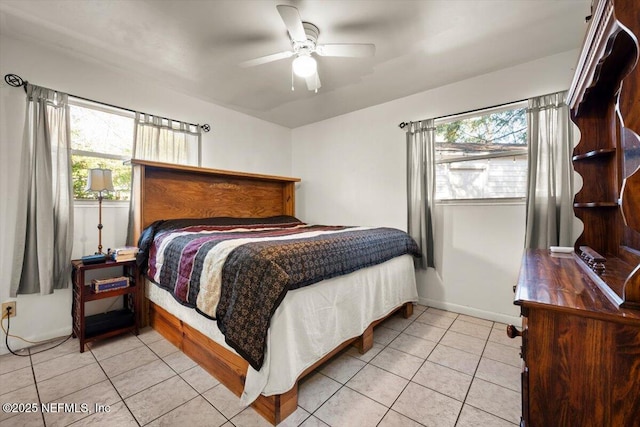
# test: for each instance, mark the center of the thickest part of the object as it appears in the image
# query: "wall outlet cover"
(11, 304)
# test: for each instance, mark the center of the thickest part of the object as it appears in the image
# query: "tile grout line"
(343, 352)
(35, 383)
(388, 409)
(114, 387)
(227, 419)
(421, 365)
(198, 394)
(140, 391)
(474, 377)
(345, 384)
(83, 388)
(486, 341)
(408, 382)
(64, 373)
(464, 401)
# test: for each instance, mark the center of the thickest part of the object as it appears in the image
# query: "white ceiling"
(196, 46)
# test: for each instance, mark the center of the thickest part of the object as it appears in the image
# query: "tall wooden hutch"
(581, 311)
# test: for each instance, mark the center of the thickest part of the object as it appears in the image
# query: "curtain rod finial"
(14, 80)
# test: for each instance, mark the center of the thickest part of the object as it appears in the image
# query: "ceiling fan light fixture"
(304, 65)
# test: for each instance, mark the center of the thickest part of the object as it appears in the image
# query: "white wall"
(478, 250)
(236, 142)
(353, 171)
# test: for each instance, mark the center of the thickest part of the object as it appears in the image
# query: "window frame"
(481, 112)
(83, 103)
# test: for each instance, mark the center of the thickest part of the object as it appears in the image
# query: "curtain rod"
(16, 81)
(475, 110)
(405, 124)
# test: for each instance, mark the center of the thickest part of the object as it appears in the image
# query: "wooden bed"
(162, 191)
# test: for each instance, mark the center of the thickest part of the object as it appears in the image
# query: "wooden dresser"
(580, 351)
(581, 311)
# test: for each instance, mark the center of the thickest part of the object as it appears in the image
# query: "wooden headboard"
(166, 191)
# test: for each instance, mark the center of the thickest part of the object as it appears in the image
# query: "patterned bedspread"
(239, 274)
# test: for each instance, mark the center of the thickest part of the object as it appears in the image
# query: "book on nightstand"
(125, 253)
(104, 285)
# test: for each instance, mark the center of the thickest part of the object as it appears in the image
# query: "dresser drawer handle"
(513, 332)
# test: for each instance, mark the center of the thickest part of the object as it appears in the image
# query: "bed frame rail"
(230, 368)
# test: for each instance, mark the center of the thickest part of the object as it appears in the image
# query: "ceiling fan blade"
(293, 22)
(313, 82)
(349, 50)
(266, 59)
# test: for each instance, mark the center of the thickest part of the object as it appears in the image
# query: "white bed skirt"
(311, 321)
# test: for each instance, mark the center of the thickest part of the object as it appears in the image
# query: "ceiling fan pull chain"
(292, 88)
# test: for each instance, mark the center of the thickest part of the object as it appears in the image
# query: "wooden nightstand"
(103, 325)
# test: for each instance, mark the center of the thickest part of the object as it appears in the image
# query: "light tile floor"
(435, 369)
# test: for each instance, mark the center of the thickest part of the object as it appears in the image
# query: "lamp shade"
(304, 65)
(99, 180)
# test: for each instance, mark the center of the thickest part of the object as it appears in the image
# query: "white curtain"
(550, 186)
(44, 231)
(421, 184)
(166, 141)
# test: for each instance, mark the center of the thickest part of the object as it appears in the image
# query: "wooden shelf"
(596, 205)
(103, 325)
(89, 295)
(100, 265)
(109, 324)
(595, 154)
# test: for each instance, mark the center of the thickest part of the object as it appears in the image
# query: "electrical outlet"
(11, 304)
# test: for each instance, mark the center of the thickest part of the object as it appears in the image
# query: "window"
(482, 156)
(103, 137)
(100, 137)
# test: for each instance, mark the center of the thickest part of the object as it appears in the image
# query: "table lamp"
(99, 180)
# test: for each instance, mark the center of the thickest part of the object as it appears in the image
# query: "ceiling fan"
(304, 43)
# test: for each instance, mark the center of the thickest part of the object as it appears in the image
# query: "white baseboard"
(470, 311)
(17, 344)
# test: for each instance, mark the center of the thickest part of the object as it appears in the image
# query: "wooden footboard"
(230, 369)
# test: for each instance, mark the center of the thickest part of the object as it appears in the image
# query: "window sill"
(84, 203)
(477, 202)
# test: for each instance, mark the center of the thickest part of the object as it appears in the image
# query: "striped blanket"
(239, 274)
